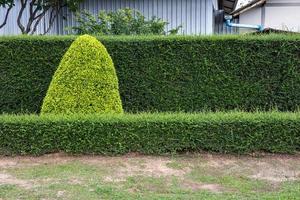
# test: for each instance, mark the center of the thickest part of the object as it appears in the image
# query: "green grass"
(81, 179)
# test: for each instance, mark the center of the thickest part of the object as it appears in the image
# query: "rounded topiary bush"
(85, 81)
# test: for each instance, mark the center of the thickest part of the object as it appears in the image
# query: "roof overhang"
(249, 6)
(227, 5)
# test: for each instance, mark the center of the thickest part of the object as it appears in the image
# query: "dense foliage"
(165, 73)
(121, 22)
(85, 81)
(151, 133)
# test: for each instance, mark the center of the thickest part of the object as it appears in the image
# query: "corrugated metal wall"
(195, 16)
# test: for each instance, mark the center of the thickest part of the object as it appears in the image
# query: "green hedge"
(166, 73)
(151, 133)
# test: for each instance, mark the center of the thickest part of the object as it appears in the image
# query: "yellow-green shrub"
(85, 81)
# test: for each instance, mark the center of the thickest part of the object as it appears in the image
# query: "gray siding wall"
(283, 1)
(195, 16)
(277, 14)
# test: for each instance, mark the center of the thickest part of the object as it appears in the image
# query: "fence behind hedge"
(166, 73)
(151, 133)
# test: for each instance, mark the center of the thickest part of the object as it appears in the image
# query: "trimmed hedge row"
(151, 133)
(166, 73)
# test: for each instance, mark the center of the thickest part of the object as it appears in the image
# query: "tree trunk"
(20, 25)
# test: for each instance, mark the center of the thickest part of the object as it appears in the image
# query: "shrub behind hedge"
(151, 133)
(166, 73)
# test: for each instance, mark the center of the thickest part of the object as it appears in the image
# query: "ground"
(196, 176)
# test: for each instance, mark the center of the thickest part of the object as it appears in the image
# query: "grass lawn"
(197, 176)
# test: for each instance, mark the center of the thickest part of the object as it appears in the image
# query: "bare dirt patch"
(195, 186)
(147, 166)
(7, 162)
(57, 158)
(278, 173)
(6, 179)
(272, 168)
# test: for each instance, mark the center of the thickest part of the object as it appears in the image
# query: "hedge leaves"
(177, 73)
(233, 132)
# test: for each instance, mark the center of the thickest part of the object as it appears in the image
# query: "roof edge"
(247, 7)
(235, 4)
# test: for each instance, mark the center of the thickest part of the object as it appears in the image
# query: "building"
(275, 14)
(195, 16)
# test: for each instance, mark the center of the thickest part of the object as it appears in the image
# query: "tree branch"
(6, 16)
(38, 20)
(52, 18)
(32, 15)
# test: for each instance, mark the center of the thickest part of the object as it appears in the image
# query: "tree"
(8, 4)
(38, 10)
